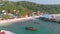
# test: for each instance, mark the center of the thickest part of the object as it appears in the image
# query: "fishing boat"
(30, 28)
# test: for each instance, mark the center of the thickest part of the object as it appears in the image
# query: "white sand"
(10, 21)
(56, 14)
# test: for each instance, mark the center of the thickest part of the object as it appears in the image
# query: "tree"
(5, 16)
(24, 6)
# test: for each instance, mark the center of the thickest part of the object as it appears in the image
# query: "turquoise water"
(42, 28)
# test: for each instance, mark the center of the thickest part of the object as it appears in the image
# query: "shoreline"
(10, 21)
(56, 14)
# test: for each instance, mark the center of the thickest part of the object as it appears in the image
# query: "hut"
(11, 16)
(34, 14)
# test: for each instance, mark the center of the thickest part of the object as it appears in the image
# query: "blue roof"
(10, 14)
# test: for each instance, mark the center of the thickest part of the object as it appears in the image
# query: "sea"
(43, 27)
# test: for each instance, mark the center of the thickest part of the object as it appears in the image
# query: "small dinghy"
(30, 28)
(6, 32)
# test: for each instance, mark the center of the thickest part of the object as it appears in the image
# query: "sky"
(42, 1)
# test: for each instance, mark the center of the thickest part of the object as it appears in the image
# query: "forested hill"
(29, 6)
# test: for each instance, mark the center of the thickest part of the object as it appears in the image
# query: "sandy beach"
(56, 14)
(10, 21)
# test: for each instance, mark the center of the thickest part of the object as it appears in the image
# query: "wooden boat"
(30, 28)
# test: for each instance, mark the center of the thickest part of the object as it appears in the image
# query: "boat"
(31, 28)
(41, 18)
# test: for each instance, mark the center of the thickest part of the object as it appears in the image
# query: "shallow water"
(41, 26)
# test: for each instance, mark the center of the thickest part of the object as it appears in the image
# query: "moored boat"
(30, 28)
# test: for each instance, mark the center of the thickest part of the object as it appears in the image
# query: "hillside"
(29, 6)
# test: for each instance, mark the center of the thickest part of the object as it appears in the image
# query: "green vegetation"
(5, 16)
(23, 7)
